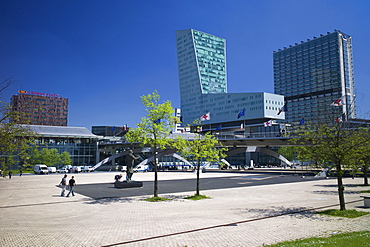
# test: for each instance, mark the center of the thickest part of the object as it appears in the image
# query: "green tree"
(15, 139)
(46, 156)
(289, 152)
(154, 128)
(361, 155)
(202, 148)
(335, 143)
(65, 158)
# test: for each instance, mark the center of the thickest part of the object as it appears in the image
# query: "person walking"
(63, 183)
(10, 174)
(72, 184)
(20, 172)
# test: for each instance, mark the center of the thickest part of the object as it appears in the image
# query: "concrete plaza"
(251, 214)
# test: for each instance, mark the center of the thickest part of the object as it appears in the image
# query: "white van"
(41, 169)
(141, 168)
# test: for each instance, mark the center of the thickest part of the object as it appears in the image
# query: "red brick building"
(40, 108)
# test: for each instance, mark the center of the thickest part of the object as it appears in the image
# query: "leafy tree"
(50, 157)
(15, 139)
(154, 128)
(202, 148)
(65, 158)
(361, 155)
(289, 152)
(335, 143)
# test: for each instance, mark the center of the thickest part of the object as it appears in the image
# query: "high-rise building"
(40, 108)
(203, 86)
(202, 69)
(313, 74)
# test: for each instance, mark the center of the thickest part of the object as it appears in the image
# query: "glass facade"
(80, 143)
(203, 84)
(201, 67)
(313, 74)
(210, 54)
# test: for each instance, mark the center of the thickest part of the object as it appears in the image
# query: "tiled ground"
(32, 213)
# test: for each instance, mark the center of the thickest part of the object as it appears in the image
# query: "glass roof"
(61, 131)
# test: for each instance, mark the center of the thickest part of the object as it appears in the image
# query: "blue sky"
(104, 55)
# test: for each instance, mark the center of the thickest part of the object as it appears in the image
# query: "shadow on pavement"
(107, 191)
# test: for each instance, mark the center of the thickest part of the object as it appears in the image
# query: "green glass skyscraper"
(202, 69)
(313, 74)
(203, 86)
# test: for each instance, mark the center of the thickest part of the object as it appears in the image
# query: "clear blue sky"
(103, 55)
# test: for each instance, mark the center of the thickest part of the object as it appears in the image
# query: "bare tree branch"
(6, 83)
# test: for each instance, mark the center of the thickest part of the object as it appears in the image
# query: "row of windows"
(306, 56)
(274, 102)
(38, 99)
(273, 108)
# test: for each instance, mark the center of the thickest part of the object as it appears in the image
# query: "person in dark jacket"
(72, 184)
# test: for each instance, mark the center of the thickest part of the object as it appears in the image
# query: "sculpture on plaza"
(130, 164)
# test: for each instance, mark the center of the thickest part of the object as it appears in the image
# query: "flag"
(338, 102)
(219, 127)
(113, 129)
(284, 108)
(206, 117)
(301, 122)
(341, 118)
(124, 127)
(241, 113)
(242, 126)
(268, 123)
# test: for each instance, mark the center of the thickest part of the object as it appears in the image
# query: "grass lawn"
(351, 213)
(196, 197)
(352, 239)
(156, 199)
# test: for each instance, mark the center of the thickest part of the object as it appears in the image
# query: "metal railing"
(257, 135)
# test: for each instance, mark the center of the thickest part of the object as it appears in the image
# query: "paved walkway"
(32, 213)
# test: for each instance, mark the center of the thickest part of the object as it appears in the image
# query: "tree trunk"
(340, 188)
(155, 173)
(197, 189)
(366, 169)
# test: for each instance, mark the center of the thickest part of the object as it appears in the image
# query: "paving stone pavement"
(32, 213)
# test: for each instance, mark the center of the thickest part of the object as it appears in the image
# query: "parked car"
(40, 169)
(76, 169)
(63, 170)
(141, 168)
(87, 169)
(52, 169)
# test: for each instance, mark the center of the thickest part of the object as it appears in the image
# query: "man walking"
(72, 184)
(63, 183)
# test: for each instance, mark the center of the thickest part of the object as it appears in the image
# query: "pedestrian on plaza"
(10, 174)
(63, 183)
(72, 184)
(118, 177)
(20, 172)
